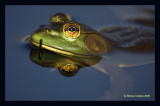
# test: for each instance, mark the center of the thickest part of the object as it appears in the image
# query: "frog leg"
(121, 82)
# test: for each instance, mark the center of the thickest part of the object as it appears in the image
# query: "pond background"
(27, 81)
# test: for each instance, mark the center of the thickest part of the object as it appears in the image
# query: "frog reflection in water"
(68, 66)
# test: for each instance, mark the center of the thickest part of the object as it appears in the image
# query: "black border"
(71, 2)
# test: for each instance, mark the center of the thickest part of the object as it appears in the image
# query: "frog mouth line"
(59, 50)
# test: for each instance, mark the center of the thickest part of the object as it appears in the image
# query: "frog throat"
(58, 50)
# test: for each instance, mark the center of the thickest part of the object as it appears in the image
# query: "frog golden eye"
(72, 30)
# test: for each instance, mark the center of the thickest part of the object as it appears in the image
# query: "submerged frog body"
(130, 38)
(69, 38)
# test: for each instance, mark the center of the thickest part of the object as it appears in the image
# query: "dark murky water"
(115, 76)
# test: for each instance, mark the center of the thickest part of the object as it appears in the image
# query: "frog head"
(68, 37)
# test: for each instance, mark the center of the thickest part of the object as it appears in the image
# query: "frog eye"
(72, 30)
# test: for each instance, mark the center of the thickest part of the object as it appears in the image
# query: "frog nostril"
(47, 30)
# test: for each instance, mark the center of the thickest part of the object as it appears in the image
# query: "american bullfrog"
(68, 37)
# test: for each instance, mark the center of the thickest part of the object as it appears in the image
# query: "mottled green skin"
(55, 37)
